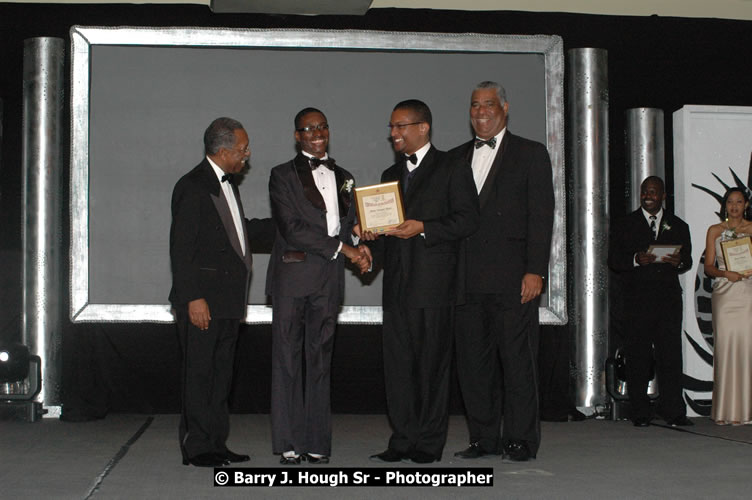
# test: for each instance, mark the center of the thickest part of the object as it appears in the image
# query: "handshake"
(360, 256)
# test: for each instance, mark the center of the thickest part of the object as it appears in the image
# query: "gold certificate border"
(386, 187)
(725, 245)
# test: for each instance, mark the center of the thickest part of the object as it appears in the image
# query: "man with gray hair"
(502, 270)
(211, 266)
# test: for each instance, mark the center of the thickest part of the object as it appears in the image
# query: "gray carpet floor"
(137, 456)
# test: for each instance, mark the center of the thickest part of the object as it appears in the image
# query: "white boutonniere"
(665, 227)
(728, 234)
(347, 185)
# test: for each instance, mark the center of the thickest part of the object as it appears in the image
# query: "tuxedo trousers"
(417, 345)
(654, 326)
(207, 366)
(497, 339)
(302, 345)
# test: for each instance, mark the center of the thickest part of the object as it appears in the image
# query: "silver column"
(42, 163)
(646, 152)
(588, 219)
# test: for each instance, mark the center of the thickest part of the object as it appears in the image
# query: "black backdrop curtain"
(653, 62)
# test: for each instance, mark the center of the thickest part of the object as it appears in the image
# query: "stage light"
(14, 363)
(616, 384)
(20, 383)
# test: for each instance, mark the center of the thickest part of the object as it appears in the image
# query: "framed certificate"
(737, 254)
(379, 207)
(661, 251)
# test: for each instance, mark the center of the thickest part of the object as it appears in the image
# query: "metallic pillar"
(42, 163)
(646, 152)
(588, 220)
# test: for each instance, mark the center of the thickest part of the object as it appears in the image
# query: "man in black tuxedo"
(502, 273)
(211, 266)
(313, 210)
(652, 302)
(420, 264)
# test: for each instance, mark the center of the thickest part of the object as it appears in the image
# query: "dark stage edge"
(136, 456)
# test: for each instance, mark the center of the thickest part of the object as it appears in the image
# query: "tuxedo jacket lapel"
(220, 202)
(223, 209)
(642, 226)
(311, 192)
(343, 196)
(665, 221)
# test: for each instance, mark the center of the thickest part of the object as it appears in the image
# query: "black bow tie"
(317, 162)
(413, 158)
(229, 178)
(491, 143)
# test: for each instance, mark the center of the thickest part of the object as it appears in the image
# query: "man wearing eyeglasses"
(313, 210)
(420, 261)
(211, 265)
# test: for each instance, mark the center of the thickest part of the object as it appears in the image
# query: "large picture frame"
(84, 308)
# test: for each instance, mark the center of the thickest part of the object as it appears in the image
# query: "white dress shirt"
(483, 158)
(658, 218)
(326, 183)
(421, 153)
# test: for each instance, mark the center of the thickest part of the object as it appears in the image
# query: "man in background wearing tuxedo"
(652, 302)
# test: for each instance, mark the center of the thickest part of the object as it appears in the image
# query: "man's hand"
(367, 257)
(198, 312)
(358, 256)
(644, 258)
(368, 236)
(407, 229)
(532, 286)
(356, 230)
(673, 259)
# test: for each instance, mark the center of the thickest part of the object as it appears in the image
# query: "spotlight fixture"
(20, 377)
(14, 362)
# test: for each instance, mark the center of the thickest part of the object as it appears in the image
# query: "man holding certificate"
(313, 209)
(652, 301)
(419, 258)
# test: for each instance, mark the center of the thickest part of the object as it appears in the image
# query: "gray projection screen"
(141, 99)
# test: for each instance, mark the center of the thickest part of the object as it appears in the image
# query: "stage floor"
(137, 456)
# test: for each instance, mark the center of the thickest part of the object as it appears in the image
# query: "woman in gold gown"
(732, 316)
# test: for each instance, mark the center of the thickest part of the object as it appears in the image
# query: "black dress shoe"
(206, 460)
(311, 459)
(289, 460)
(389, 455)
(421, 457)
(472, 451)
(236, 457)
(682, 421)
(516, 451)
(641, 422)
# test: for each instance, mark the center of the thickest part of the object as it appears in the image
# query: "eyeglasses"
(244, 151)
(311, 128)
(401, 126)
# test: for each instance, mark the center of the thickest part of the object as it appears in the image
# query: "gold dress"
(732, 359)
